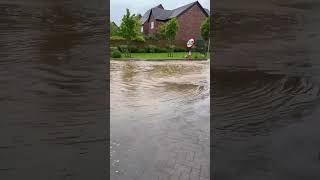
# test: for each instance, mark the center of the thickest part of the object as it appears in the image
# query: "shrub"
(162, 50)
(116, 54)
(170, 48)
(151, 49)
(133, 49)
(156, 49)
(141, 50)
(113, 49)
(152, 38)
(139, 39)
(123, 48)
(179, 49)
(200, 46)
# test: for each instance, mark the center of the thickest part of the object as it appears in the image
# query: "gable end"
(199, 5)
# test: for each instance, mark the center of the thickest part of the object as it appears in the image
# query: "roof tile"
(162, 14)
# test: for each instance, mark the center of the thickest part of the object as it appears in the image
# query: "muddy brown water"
(265, 96)
(52, 90)
(155, 107)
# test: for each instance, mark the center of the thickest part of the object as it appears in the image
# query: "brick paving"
(168, 140)
(187, 158)
(183, 154)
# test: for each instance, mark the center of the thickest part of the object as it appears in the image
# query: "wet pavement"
(160, 120)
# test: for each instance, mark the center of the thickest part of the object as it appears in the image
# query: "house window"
(141, 28)
(152, 25)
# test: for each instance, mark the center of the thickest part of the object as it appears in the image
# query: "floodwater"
(159, 109)
(53, 116)
(266, 88)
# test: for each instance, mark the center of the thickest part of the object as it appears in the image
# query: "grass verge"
(163, 56)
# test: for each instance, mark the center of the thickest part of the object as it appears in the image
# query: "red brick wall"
(147, 26)
(190, 23)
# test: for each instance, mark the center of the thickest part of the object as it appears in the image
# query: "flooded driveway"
(159, 120)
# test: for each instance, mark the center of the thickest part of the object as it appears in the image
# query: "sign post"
(189, 45)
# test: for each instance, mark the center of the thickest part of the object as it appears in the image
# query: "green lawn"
(164, 56)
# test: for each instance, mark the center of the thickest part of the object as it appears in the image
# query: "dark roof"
(160, 6)
(207, 11)
(114, 24)
(145, 17)
(162, 14)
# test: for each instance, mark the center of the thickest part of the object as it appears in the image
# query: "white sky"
(118, 7)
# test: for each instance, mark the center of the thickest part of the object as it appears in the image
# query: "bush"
(113, 49)
(150, 49)
(116, 54)
(170, 48)
(139, 39)
(200, 46)
(179, 49)
(156, 49)
(151, 38)
(162, 50)
(123, 48)
(141, 50)
(133, 49)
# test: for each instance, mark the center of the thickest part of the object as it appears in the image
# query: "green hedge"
(146, 49)
(113, 49)
(134, 49)
(138, 39)
(117, 38)
(179, 49)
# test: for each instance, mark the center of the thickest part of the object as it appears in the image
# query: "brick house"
(189, 18)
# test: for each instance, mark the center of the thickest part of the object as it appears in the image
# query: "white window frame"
(152, 25)
(141, 28)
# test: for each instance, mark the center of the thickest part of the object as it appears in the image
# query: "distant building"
(189, 18)
(114, 25)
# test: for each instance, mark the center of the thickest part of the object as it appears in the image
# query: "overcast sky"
(118, 7)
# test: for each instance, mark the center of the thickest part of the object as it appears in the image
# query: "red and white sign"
(190, 43)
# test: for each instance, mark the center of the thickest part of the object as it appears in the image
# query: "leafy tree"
(161, 31)
(168, 31)
(171, 32)
(130, 28)
(205, 30)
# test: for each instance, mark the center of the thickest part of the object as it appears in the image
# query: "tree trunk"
(171, 48)
(128, 44)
